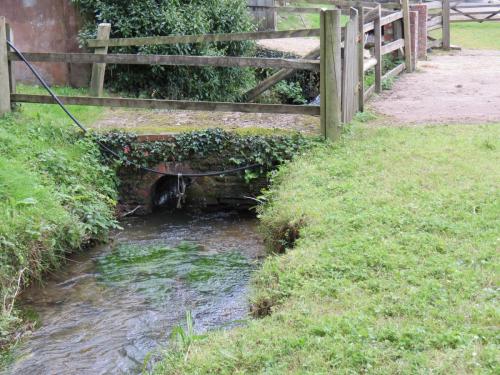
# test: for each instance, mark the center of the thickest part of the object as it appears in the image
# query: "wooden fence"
(443, 13)
(341, 65)
(266, 12)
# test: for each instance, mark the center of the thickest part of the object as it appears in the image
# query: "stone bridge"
(143, 191)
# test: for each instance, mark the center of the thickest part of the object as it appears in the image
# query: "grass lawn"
(396, 268)
(291, 21)
(474, 35)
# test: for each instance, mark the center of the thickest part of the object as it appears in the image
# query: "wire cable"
(106, 148)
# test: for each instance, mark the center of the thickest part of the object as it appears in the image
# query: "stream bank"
(116, 305)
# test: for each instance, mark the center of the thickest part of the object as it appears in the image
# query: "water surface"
(113, 305)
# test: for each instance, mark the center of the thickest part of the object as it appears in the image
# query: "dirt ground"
(459, 87)
(297, 46)
(165, 122)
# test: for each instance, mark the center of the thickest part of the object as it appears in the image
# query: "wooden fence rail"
(341, 64)
(205, 38)
(443, 13)
(184, 60)
(172, 104)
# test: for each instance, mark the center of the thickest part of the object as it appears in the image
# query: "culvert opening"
(169, 192)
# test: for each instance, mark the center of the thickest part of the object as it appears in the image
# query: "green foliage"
(54, 195)
(395, 269)
(302, 86)
(388, 63)
(227, 149)
(290, 93)
(135, 18)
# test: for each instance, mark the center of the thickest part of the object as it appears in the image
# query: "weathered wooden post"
(4, 70)
(397, 28)
(330, 73)
(378, 50)
(12, 70)
(407, 34)
(350, 68)
(264, 13)
(446, 24)
(99, 69)
(361, 51)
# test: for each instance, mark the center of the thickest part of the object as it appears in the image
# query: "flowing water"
(114, 305)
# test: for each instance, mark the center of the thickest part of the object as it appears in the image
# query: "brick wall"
(414, 36)
(46, 26)
(421, 9)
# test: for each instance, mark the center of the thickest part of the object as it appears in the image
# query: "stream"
(110, 308)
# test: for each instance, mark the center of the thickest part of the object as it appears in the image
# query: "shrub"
(136, 18)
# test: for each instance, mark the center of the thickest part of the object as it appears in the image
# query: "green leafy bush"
(306, 80)
(137, 18)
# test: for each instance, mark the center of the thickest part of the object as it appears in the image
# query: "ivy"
(210, 147)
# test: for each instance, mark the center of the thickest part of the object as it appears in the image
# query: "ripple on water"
(117, 303)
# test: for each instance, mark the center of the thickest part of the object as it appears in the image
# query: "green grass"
(54, 195)
(291, 21)
(474, 35)
(396, 268)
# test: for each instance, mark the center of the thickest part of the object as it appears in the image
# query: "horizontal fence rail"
(185, 60)
(474, 12)
(348, 4)
(202, 38)
(171, 104)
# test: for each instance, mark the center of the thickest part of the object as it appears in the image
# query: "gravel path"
(459, 87)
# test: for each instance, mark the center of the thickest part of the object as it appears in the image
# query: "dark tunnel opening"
(169, 191)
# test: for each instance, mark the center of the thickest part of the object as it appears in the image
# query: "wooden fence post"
(361, 57)
(378, 50)
(98, 69)
(12, 70)
(330, 74)
(446, 24)
(397, 28)
(4, 70)
(407, 34)
(264, 13)
(350, 69)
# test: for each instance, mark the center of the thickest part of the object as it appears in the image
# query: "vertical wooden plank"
(398, 34)
(322, 83)
(361, 51)
(446, 24)
(350, 68)
(271, 16)
(330, 74)
(12, 70)
(4, 70)
(258, 14)
(406, 29)
(99, 70)
(378, 51)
